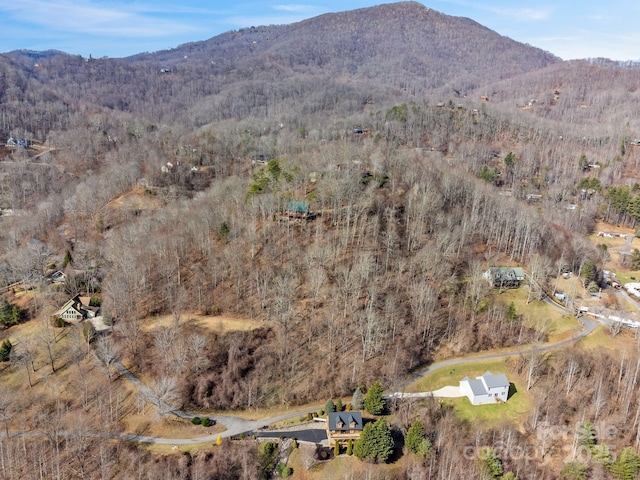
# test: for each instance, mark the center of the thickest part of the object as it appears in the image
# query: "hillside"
(334, 190)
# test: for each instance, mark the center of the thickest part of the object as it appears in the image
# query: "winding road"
(236, 425)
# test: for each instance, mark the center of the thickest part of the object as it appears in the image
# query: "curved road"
(236, 425)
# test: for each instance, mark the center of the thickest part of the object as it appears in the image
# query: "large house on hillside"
(487, 388)
(76, 310)
(343, 426)
(504, 277)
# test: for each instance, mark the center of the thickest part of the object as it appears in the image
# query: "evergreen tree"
(374, 402)
(490, 464)
(5, 351)
(375, 443)
(414, 436)
(512, 313)
(574, 471)
(336, 449)
(627, 465)
(510, 159)
(357, 402)
(339, 405)
(350, 447)
(586, 434)
(329, 407)
(9, 314)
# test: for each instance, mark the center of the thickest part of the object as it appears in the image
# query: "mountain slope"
(399, 43)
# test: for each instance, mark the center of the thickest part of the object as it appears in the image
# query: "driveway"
(313, 435)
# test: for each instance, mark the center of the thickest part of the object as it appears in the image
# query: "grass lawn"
(601, 338)
(341, 467)
(540, 315)
(173, 449)
(515, 410)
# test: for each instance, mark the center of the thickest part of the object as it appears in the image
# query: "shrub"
(309, 416)
(196, 420)
(206, 422)
(294, 443)
(57, 322)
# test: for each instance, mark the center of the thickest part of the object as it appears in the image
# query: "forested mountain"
(339, 185)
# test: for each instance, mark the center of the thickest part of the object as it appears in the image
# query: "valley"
(253, 228)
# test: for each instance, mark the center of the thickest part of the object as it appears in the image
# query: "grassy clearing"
(516, 410)
(542, 316)
(147, 423)
(452, 375)
(342, 467)
(601, 338)
(218, 324)
(173, 449)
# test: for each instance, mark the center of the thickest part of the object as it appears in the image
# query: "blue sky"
(117, 28)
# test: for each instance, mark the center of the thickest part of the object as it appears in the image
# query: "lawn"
(515, 410)
(601, 339)
(540, 315)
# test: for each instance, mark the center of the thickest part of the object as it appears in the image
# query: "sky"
(569, 29)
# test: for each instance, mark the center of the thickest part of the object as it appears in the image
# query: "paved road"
(236, 426)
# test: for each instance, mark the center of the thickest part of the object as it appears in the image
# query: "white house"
(488, 388)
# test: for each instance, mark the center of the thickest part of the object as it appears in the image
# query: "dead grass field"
(219, 323)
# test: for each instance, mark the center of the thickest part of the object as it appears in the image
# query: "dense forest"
(341, 183)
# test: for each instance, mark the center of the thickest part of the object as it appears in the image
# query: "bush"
(58, 322)
(196, 420)
(283, 470)
(294, 443)
(309, 416)
(206, 422)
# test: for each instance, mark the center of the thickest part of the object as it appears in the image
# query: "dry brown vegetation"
(150, 192)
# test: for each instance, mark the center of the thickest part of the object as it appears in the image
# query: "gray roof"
(476, 385)
(505, 273)
(497, 380)
(346, 418)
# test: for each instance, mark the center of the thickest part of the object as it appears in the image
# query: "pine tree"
(5, 351)
(357, 402)
(375, 443)
(329, 407)
(374, 402)
(415, 436)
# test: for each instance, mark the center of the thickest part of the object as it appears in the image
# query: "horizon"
(120, 29)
